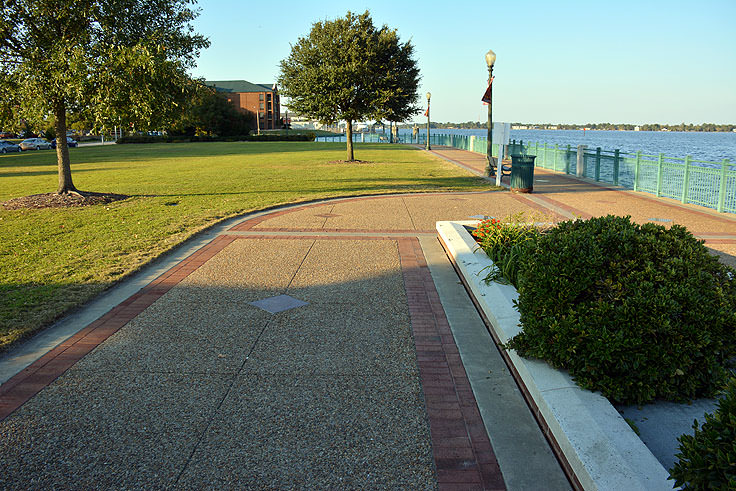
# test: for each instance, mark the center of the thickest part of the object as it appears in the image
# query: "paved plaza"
(328, 345)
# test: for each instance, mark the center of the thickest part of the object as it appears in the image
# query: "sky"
(578, 62)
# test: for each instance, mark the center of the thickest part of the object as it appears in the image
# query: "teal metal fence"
(708, 184)
(463, 142)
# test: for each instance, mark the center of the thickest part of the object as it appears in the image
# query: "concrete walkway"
(569, 197)
(319, 346)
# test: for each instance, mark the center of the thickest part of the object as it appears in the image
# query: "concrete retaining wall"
(601, 449)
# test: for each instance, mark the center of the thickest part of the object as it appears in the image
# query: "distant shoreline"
(654, 127)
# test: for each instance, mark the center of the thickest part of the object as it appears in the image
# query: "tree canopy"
(347, 69)
(210, 113)
(124, 61)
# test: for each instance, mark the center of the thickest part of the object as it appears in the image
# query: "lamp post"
(490, 60)
(428, 96)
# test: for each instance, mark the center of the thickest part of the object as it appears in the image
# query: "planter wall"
(599, 447)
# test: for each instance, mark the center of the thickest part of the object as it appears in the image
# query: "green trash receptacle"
(522, 173)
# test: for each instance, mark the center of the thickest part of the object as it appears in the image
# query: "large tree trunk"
(62, 151)
(349, 136)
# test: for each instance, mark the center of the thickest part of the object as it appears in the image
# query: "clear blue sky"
(558, 61)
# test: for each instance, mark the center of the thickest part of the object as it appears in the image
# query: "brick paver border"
(41, 373)
(340, 230)
(251, 223)
(462, 452)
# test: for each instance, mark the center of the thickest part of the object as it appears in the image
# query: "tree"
(124, 61)
(346, 69)
(211, 113)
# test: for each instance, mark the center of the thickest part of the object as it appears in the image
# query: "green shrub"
(707, 459)
(635, 312)
(186, 138)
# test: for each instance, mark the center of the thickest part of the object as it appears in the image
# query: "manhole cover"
(279, 303)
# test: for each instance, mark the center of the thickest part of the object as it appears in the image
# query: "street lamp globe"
(490, 58)
(428, 95)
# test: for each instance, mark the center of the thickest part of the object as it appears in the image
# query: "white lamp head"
(490, 58)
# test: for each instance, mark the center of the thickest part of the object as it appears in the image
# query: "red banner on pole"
(426, 113)
(487, 96)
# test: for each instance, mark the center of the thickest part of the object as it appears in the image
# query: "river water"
(711, 147)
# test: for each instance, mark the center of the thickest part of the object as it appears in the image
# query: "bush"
(275, 137)
(635, 312)
(707, 459)
(186, 139)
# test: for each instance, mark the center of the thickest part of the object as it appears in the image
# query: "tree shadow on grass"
(384, 186)
(54, 172)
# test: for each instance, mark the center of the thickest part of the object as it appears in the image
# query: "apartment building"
(260, 99)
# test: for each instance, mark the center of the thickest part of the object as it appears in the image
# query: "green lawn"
(55, 259)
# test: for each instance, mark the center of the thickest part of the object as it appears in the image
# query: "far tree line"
(704, 127)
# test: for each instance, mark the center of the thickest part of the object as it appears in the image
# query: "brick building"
(261, 99)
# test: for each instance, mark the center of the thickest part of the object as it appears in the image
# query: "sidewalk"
(349, 378)
(324, 345)
(570, 197)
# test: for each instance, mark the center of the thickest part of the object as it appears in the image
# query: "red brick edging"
(39, 374)
(462, 450)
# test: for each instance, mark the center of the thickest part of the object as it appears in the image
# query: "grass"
(55, 259)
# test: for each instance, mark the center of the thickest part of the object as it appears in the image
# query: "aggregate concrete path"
(189, 384)
(375, 378)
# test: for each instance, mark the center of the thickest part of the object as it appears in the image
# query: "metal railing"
(463, 142)
(708, 184)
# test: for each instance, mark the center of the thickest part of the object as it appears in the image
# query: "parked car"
(70, 142)
(35, 144)
(6, 134)
(6, 146)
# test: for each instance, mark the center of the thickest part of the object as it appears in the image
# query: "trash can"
(522, 173)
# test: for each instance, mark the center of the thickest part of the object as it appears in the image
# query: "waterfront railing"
(688, 180)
